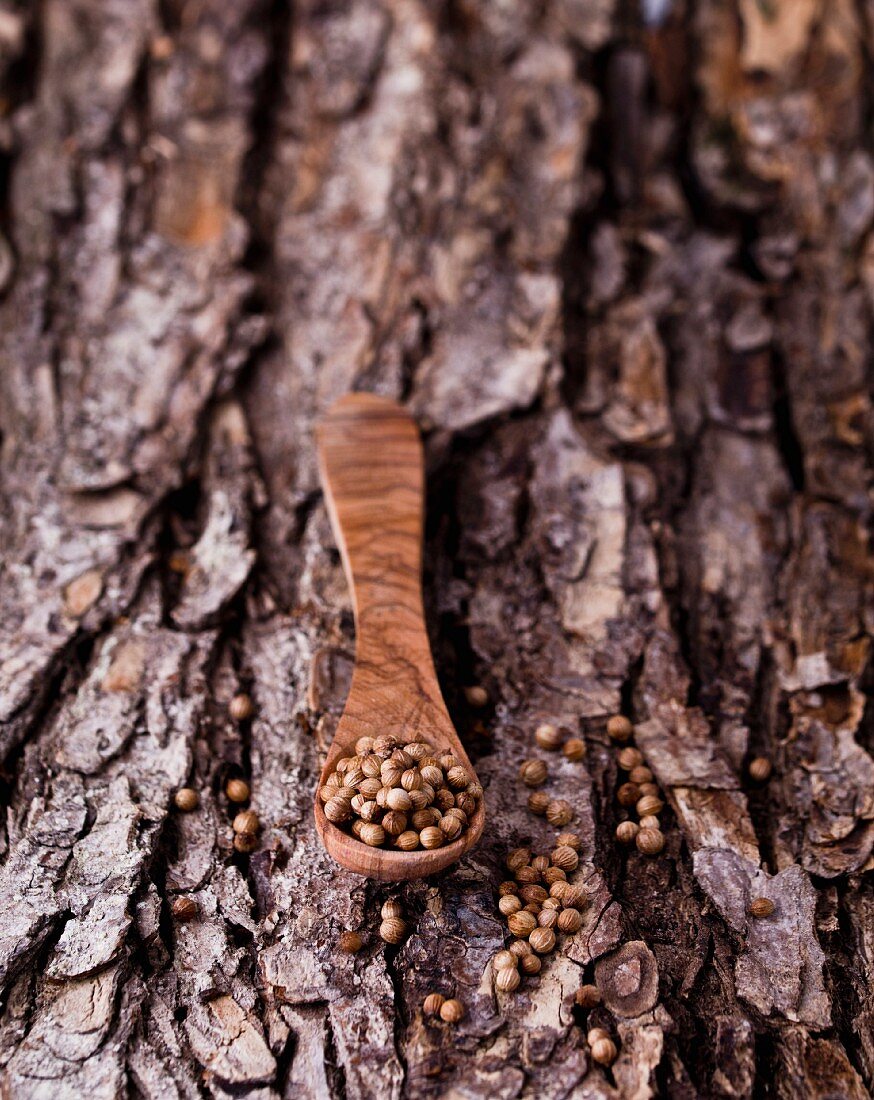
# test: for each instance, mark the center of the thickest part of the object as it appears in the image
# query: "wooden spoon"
(372, 471)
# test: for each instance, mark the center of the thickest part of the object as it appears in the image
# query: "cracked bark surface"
(621, 269)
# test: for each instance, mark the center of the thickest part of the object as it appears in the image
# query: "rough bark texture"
(621, 265)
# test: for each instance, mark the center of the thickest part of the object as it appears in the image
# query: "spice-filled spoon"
(409, 768)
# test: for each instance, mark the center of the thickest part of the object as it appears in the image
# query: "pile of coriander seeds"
(404, 796)
(638, 794)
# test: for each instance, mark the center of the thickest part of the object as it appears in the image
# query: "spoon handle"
(372, 471)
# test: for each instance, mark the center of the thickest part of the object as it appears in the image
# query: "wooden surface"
(621, 273)
(372, 471)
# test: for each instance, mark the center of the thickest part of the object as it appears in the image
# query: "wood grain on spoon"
(372, 470)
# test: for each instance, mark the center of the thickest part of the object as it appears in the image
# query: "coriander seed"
(570, 921)
(245, 843)
(350, 942)
(476, 696)
(186, 799)
(628, 794)
(649, 805)
(761, 907)
(364, 745)
(394, 823)
(648, 788)
(452, 1011)
(509, 904)
(519, 948)
(626, 831)
(574, 749)
(508, 887)
(547, 918)
(533, 773)
(504, 959)
(588, 996)
(596, 1033)
(548, 737)
(604, 1052)
(565, 858)
(431, 837)
(373, 835)
(629, 758)
(240, 707)
(640, 774)
(542, 940)
(619, 728)
(530, 964)
(237, 790)
(559, 812)
(521, 923)
(507, 980)
(538, 801)
(574, 897)
(527, 875)
(649, 821)
(246, 821)
(391, 910)
(392, 930)
(571, 840)
(408, 841)
(650, 841)
(433, 1003)
(759, 769)
(518, 858)
(184, 909)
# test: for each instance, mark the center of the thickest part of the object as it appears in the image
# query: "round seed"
(433, 1003)
(398, 799)
(574, 897)
(559, 812)
(530, 964)
(554, 874)
(628, 794)
(648, 788)
(570, 920)
(507, 980)
(186, 799)
(452, 1011)
(626, 831)
(649, 805)
(574, 748)
(411, 780)
(337, 809)
(521, 923)
(542, 940)
(373, 835)
(650, 841)
(572, 840)
(629, 758)
(246, 821)
(517, 858)
(640, 774)
(431, 837)
(527, 875)
(538, 801)
(588, 996)
(509, 904)
(548, 737)
(391, 910)
(547, 918)
(565, 858)
(533, 893)
(533, 773)
(761, 907)
(504, 959)
(760, 769)
(184, 909)
(476, 696)
(408, 841)
(394, 823)
(508, 888)
(649, 821)
(364, 745)
(392, 930)
(350, 942)
(519, 948)
(240, 707)
(237, 790)
(619, 728)
(604, 1052)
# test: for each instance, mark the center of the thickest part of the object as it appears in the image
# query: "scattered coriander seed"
(640, 774)
(542, 940)
(628, 794)
(246, 821)
(350, 942)
(392, 930)
(519, 948)
(476, 696)
(533, 773)
(596, 1033)
(433, 1003)
(588, 996)
(761, 907)
(559, 812)
(530, 964)
(619, 728)
(565, 858)
(629, 758)
(649, 805)
(647, 788)
(237, 790)
(650, 841)
(574, 749)
(184, 909)
(186, 799)
(649, 821)
(570, 921)
(521, 923)
(245, 843)
(240, 707)
(518, 858)
(574, 897)
(548, 737)
(759, 769)
(604, 1052)
(571, 840)
(626, 831)
(392, 910)
(452, 1011)
(507, 980)
(538, 801)
(504, 959)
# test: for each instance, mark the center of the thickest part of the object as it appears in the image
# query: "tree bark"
(621, 266)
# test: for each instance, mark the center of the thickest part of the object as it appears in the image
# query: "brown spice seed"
(394, 823)
(186, 799)
(521, 923)
(575, 897)
(509, 904)
(408, 841)
(237, 790)
(240, 707)
(629, 758)
(626, 831)
(507, 980)
(761, 907)
(619, 728)
(547, 918)
(184, 909)
(538, 801)
(649, 805)
(476, 696)
(565, 858)
(533, 773)
(572, 840)
(530, 964)
(433, 1003)
(392, 930)
(760, 769)
(559, 812)
(548, 737)
(372, 835)
(542, 940)
(527, 875)
(504, 959)
(649, 821)
(588, 996)
(246, 821)
(518, 857)
(604, 1052)
(431, 837)
(650, 841)
(574, 749)
(520, 948)
(391, 910)
(570, 920)
(452, 1011)
(628, 794)
(508, 887)
(640, 774)
(350, 942)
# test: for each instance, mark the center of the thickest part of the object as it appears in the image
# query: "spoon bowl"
(372, 471)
